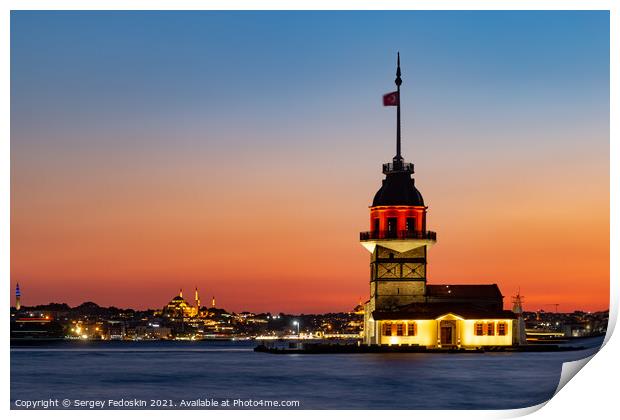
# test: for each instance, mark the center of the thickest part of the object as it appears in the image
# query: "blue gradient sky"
(156, 150)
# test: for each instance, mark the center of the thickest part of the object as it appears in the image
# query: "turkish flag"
(391, 99)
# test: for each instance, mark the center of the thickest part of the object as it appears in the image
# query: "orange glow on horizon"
(132, 236)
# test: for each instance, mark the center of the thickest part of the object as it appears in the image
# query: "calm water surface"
(229, 370)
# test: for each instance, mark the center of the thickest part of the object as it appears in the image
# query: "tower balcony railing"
(397, 166)
(398, 234)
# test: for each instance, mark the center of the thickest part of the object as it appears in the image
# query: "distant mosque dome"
(178, 300)
(179, 307)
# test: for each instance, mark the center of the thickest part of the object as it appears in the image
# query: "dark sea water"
(231, 370)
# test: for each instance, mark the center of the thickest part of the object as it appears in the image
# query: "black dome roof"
(398, 189)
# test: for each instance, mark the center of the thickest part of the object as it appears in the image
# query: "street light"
(296, 323)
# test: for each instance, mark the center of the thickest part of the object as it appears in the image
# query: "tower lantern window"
(391, 226)
(411, 224)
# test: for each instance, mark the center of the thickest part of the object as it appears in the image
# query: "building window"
(399, 329)
(478, 328)
(376, 225)
(501, 328)
(387, 329)
(411, 329)
(410, 224)
(490, 328)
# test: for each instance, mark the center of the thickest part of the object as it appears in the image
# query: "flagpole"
(398, 158)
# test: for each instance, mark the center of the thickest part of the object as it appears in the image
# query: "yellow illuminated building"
(449, 330)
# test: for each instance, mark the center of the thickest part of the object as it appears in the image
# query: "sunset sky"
(239, 152)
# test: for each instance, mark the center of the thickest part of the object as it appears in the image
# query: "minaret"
(18, 296)
(197, 301)
(519, 326)
(398, 240)
(213, 302)
(181, 292)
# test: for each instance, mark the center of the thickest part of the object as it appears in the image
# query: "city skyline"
(153, 158)
(550, 309)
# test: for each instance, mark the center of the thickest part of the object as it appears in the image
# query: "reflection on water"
(192, 370)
